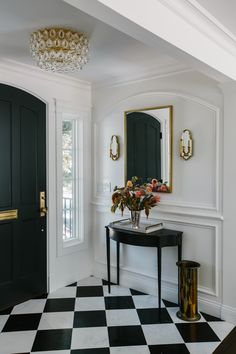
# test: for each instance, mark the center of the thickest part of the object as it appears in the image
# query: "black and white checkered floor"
(84, 319)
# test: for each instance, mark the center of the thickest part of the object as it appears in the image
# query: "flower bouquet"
(135, 197)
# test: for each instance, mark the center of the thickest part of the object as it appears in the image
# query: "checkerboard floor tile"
(83, 318)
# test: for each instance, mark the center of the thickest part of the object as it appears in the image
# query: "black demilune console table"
(158, 239)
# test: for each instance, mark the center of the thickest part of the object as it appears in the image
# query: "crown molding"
(29, 70)
(203, 21)
(34, 72)
(183, 29)
(163, 71)
(62, 106)
(212, 19)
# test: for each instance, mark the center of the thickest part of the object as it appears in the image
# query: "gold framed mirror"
(148, 146)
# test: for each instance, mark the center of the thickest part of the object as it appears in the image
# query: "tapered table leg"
(179, 259)
(180, 252)
(118, 262)
(159, 275)
(108, 259)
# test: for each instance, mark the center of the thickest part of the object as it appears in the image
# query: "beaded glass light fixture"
(59, 49)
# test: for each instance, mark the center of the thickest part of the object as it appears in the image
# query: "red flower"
(115, 197)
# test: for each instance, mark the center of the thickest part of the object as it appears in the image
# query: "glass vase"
(135, 218)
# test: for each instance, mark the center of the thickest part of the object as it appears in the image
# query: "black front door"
(22, 178)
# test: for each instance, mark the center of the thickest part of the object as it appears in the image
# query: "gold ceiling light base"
(59, 49)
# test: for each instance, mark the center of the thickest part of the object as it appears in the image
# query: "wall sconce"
(114, 148)
(186, 144)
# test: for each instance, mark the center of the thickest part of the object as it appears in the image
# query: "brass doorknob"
(43, 210)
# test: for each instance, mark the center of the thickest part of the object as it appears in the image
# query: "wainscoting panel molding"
(201, 242)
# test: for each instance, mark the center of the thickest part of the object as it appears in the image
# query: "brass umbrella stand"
(188, 304)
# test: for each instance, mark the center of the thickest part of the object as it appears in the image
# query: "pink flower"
(138, 194)
(163, 188)
(143, 192)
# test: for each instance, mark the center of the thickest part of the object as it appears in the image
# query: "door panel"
(143, 146)
(5, 153)
(28, 155)
(28, 256)
(6, 269)
(22, 177)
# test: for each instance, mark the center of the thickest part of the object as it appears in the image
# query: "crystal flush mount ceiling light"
(59, 49)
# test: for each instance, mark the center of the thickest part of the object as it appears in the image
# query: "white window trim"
(67, 247)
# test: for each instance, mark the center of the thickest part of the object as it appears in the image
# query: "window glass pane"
(67, 211)
(69, 181)
(68, 221)
(67, 134)
(67, 165)
(67, 189)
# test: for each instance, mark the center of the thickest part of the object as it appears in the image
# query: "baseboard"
(135, 280)
(211, 307)
(228, 313)
(169, 291)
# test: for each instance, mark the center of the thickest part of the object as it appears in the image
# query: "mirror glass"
(148, 146)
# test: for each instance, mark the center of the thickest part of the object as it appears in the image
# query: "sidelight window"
(71, 169)
(69, 181)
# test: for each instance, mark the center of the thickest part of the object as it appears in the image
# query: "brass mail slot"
(8, 214)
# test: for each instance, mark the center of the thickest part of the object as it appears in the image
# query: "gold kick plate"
(8, 214)
(42, 204)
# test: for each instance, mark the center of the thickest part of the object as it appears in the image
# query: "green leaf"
(113, 208)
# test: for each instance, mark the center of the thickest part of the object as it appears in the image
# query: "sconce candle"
(114, 148)
(186, 144)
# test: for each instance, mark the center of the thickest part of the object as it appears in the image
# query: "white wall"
(229, 245)
(70, 95)
(195, 206)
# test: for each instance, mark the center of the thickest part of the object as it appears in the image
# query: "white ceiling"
(113, 54)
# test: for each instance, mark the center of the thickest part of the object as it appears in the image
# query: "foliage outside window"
(69, 180)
